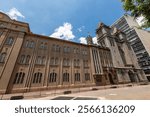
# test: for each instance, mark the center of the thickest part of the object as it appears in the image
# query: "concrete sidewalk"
(47, 93)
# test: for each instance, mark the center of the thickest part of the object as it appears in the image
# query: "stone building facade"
(138, 39)
(32, 62)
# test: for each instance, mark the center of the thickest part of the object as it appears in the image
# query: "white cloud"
(64, 32)
(14, 14)
(83, 40)
(81, 28)
(95, 40)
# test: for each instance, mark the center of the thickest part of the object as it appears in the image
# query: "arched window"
(27, 44)
(57, 48)
(65, 77)
(68, 49)
(19, 78)
(39, 60)
(65, 49)
(52, 77)
(77, 50)
(85, 63)
(68, 62)
(22, 59)
(56, 61)
(54, 48)
(32, 44)
(27, 59)
(75, 64)
(78, 62)
(87, 76)
(9, 41)
(74, 50)
(37, 78)
(77, 77)
(45, 46)
(43, 60)
(65, 62)
(52, 62)
(41, 45)
(2, 57)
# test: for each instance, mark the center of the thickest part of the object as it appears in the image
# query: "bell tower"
(103, 32)
(89, 40)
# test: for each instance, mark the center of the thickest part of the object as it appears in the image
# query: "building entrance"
(131, 76)
(111, 78)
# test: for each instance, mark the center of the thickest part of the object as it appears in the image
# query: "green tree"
(138, 8)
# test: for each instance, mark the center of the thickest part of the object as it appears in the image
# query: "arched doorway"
(111, 78)
(131, 76)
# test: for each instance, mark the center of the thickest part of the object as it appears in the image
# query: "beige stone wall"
(10, 61)
(47, 68)
(31, 56)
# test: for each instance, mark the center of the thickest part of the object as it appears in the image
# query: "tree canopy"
(138, 8)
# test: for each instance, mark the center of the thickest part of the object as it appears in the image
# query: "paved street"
(131, 93)
(141, 92)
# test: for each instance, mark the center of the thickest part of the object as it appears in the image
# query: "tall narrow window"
(85, 62)
(2, 57)
(42, 45)
(78, 62)
(65, 77)
(122, 55)
(19, 78)
(87, 76)
(52, 62)
(27, 59)
(57, 48)
(75, 62)
(77, 77)
(65, 49)
(54, 48)
(9, 41)
(65, 62)
(74, 50)
(56, 61)
(32, 44)
(45, 46)
(68, 49)
(43, 60)
(22, 59)
(52, 77)
(37, 78)
(39, 60)
(27, 44)
(68, 62)
(77, 51)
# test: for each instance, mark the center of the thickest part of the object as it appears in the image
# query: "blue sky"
(71, 19)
